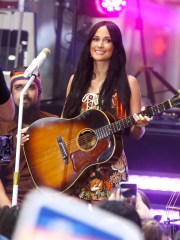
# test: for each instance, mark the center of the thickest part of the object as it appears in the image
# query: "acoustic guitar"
(59, 151)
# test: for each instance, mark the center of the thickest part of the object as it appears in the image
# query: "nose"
(26, 92)
(100, 43)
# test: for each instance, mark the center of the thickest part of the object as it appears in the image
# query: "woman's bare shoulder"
(133, 82)
(131, 78)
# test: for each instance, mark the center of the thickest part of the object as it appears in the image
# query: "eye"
(18, 87)
(95, 39)
(108, 40)
(32, 87)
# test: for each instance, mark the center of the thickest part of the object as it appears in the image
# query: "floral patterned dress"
(102, 179)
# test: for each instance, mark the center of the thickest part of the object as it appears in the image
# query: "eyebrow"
(20, 84)
(104, 37)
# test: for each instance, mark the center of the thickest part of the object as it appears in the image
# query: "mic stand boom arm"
(18, 144)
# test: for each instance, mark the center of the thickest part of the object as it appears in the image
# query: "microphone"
(36, 63)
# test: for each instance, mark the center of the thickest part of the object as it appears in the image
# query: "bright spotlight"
(112, 5)
(101, 8)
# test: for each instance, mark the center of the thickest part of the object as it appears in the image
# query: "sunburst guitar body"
(60, 150)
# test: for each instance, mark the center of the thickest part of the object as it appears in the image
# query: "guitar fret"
(100, 132)
(110, 130)
(114, 127)
(97, 134)
(149, 112)
(104, 132)
(160, 108)
(155, 110)
(126, 122)
(167, 105)
(132, 121)
(118, 126)
(123, 126)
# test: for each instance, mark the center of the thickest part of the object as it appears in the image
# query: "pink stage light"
(112, 5)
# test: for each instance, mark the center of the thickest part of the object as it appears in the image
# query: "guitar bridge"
(63, 149)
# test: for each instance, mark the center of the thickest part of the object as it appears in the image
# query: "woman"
(101, 82)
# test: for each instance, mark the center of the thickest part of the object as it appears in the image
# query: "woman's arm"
(137, 130)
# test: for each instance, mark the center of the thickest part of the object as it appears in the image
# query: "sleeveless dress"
(102, 179)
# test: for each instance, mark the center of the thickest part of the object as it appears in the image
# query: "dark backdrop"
(157, 151)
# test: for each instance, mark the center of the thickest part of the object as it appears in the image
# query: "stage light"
(156, 183)
(112, 5)
(101, 8)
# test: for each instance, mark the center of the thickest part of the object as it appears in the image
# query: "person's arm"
(7, 110)
(143, 211)
(6, 101)
(4, 200)
(137, 130)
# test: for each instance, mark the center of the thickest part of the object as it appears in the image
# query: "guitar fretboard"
(124, 123)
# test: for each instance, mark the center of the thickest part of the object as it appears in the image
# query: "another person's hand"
(24, 136)
(115, 195)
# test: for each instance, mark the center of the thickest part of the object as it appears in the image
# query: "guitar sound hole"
(87, 140)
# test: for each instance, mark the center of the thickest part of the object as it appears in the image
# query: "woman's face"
(101, 47)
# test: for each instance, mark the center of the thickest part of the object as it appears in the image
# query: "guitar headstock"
(175, 101)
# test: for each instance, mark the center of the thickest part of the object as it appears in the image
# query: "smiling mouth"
(99, 52)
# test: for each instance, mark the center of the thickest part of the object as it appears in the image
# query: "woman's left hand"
(141, 121)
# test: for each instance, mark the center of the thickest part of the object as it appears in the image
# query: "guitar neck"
(127, 122)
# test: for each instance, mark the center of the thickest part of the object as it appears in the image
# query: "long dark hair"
(116, 78)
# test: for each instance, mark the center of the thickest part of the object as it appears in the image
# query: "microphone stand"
(18, 144)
